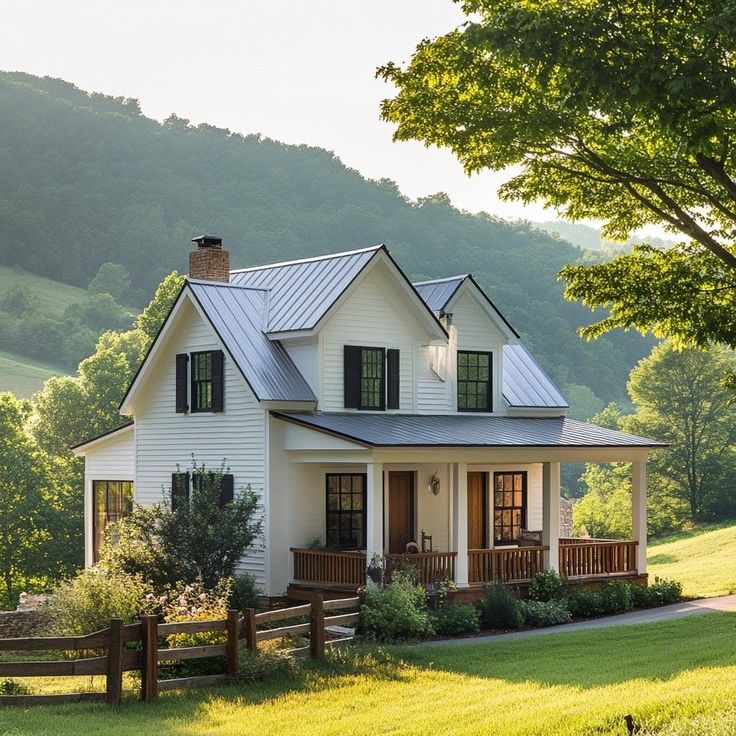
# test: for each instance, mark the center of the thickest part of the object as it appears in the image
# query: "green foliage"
(456, 619)
(499, 608)
(615, 112)
(87, 602)
(619, 597)
(198, 541)
(245, 593)
(13, 687)
(547, 585)
(616, 597)
(584, 603)
(395, 612)
(546, 613)
(112, 279)
(263, 665)
(17, 301)
(661, 592)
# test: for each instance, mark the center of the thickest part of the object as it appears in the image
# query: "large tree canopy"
(616, 110)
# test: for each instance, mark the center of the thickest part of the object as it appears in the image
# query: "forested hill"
(86, 180)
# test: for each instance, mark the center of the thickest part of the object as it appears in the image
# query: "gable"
(475, 329)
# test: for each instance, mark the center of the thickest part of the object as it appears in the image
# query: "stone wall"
(25, 620)
(565, 517)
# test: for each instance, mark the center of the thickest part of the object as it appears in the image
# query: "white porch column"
(460, 521)
(374, 511)
(551, 514)
(639, 513)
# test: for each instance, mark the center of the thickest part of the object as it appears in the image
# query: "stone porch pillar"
(374, 511)
(639, 513)
(551, 514)
(460, 521)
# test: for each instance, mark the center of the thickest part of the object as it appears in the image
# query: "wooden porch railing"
(516, 564)
(433, 566)
(325, 566)
(592, 557)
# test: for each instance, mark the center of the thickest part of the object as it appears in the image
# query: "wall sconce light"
(434, 484)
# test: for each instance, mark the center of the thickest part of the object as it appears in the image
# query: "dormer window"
(371, 378)
(474, 381)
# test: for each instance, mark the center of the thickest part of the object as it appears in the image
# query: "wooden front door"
(400, 510)
(477, 518)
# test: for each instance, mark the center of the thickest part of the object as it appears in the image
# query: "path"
(647, 616)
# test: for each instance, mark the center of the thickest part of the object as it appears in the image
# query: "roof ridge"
(442, 280)
(227, 285)
(324, 257)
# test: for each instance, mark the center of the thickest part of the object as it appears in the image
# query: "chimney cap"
(208, 241)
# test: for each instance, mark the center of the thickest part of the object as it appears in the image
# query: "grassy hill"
(52, 297)
(22, 376)
(703, 560)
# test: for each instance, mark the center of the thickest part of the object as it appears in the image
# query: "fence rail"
(512, 565)
(324, 566)
(432, 566)
(593, 557)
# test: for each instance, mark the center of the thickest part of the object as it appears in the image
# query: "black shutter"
(227, 489)
(392, 379)
(352, 376)
(182, 361)
(179, 489)
(218, 381)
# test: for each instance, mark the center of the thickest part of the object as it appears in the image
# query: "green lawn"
(675, 678)
(703, 560)
(24, 376)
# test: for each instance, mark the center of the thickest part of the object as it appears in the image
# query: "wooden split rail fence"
(108, 655)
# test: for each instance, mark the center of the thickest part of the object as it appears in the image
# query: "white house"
(373, 416)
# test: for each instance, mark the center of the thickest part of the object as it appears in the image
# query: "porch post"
(460, 521)
(639, 513)
(551, 514)
(374, 511)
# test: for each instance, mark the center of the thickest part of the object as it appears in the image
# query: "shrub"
(615, 597)
(584, 603)
(245, 592)
(13, 687)
(546, 613)
(87, 602)
(547, 585)
(499, 608)
(457, 619)
(659, 593)
(395, 612)
(259, 666)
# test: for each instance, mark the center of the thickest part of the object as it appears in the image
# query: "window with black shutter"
(371, 378)
(226, 490)
(182, 364)
(207, 381)
(473, 381)
(179, 490)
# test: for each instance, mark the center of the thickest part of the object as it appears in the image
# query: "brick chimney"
(209, 262)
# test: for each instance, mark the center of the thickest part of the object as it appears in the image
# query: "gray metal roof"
(437, 293)
(462, 430)
(237, 315)
(301, 292)
(525, 384)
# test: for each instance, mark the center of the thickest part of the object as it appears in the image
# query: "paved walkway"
(648, 616)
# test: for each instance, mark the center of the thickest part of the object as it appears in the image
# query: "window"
(206, 381)
(180, 485)
(509, 506)
(112, 500)
(346, 510)
(371, 378)
(473, 381)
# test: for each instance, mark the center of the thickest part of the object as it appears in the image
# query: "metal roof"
(301, 292)
(462, 430)
(237, 315)
(525, 384)
(438, 293)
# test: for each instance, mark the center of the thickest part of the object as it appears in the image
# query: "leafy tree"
(17, 301)
(197, 539)
(112, 279)
(614, 110)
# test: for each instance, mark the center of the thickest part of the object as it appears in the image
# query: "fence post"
(249, 625)
(114, 684)
(233, 629)
(317, 626)
(149, 667)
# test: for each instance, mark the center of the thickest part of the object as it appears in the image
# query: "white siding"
(165, 439)
(434, 396)
(304, 353)
(372, 315)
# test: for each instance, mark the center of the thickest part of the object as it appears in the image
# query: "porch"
(579, 560)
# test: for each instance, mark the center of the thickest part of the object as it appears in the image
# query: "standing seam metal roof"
(237, 315)
(458, 430)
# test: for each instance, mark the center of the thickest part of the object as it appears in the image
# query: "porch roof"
(463, 430)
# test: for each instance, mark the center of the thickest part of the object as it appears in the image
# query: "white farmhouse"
(373, 416)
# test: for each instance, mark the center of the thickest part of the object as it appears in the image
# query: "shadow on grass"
(662, 559)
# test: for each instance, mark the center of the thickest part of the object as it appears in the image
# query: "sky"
(298, 71)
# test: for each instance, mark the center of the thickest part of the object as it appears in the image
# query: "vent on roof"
(209, 262)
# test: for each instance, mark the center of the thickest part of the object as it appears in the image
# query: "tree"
(680, 399)
(198, 539)
(112, 279)
(615, 110)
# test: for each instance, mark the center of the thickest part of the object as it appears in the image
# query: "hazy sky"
(298, 71)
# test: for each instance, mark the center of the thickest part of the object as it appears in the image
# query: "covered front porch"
(472, 514)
